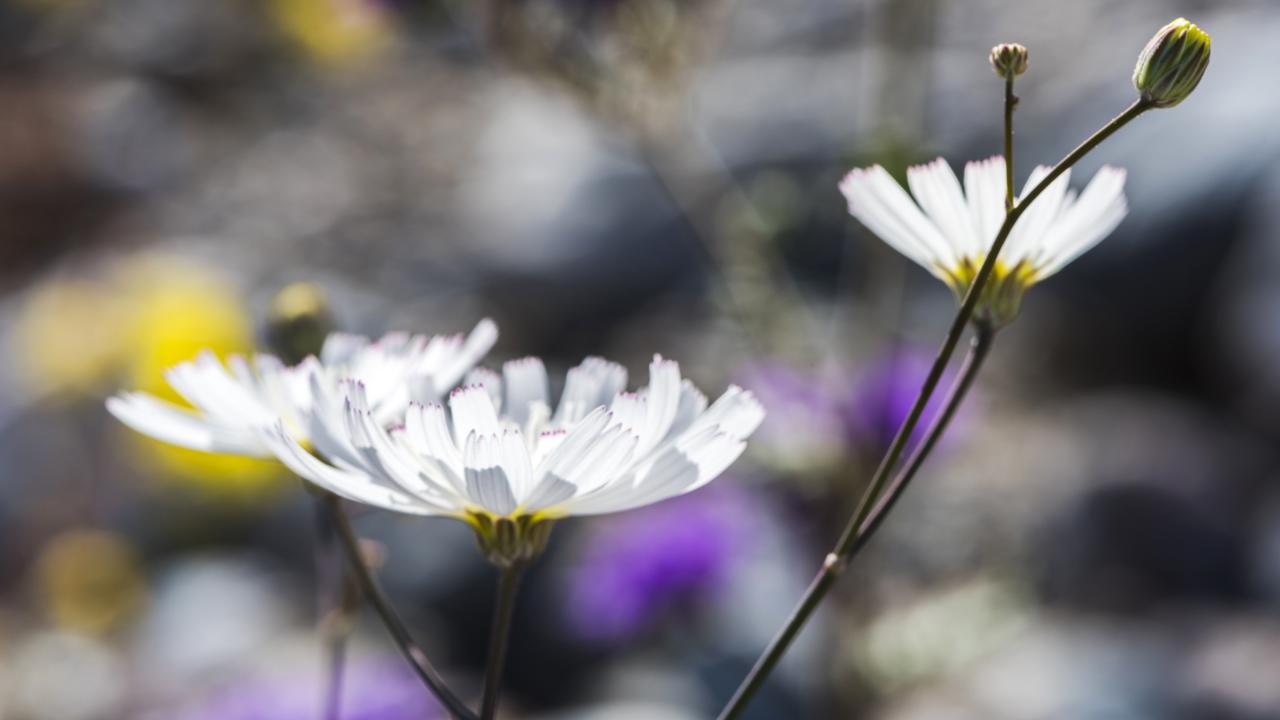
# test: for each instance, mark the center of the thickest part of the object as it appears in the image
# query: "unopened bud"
(1172, 64)
(299, 322)
(1009, 60)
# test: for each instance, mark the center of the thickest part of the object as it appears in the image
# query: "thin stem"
(395, 626)
(331, 590)
(1010, 101)
(836, 560)
(983, 339)
(499, 636)
(337, 655)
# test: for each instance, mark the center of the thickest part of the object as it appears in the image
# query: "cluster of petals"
(235, 407)
(365, 421)
(499, 447)
(948, 228)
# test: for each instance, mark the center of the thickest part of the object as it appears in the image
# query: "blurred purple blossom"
(817, 418)
(644, 563)
(384, 689)
(884, 393)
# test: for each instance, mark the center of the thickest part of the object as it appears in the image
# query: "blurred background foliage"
(1099, 538)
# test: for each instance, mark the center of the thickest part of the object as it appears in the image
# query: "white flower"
(498, 456)
(950, 237)
(238, 406)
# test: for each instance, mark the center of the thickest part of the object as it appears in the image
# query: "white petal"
(393, 463)
(170, 423)
(479, 342)
(473, 412)
(692, 404)
(516, 463)
(878, 202)
(1028, 235)
(426, 431)
(591, 384)
(351, 485)
(662, 400)
(341, 348)
(490, 381)
(680, 468)
(1097, 212)
(629, 410)
(736, 413)
(564, 458)
(526, 386)
(487, 483)
(427, 434)
(938, 192)
(984, 189)
(207, 385)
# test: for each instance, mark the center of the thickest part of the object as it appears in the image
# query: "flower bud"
(1009, 60)
(1172, 64)
(299, 322)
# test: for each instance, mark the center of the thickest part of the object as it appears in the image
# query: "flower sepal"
(508, 541)
(1001, 296)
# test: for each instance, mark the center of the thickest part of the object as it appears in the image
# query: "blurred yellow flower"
(89, 581)
(67, 338)
(176, 309)
(335, 32)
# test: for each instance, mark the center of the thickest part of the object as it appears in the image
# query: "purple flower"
(379, 690)
(816, 420)
(884, 395)
(647, 562)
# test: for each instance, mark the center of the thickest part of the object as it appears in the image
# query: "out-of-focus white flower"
(500, 459)
(951, 228)
(237, 405)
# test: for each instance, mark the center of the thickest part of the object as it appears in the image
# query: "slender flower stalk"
(337, 659)
(836, 560)
(500, 637)
(1009, 60)
(983, 339)
(332, 591)
(390, 618)
(1010, 101)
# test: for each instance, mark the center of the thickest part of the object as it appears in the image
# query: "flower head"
(1009, 60)
(950, 236)
(237, 405)
(1172, 63)
(499, 458)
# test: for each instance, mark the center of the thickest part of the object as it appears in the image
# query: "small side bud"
(298, 322)
(1172, 64)
(1009, 60)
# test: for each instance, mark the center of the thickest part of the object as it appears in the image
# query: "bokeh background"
(1099, 538)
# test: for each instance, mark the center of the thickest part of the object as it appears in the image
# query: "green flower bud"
(299, 322)
(1172, 64)
(1009, 60)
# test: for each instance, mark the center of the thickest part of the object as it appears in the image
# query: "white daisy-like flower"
(500, 459)
(948, 229)
(237, 407)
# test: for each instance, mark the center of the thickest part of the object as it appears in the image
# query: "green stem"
(983, 339)
(1010, 101)
(837, 559)
(332, 584)
(499, 637)
(395, 625)
(336, 649)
